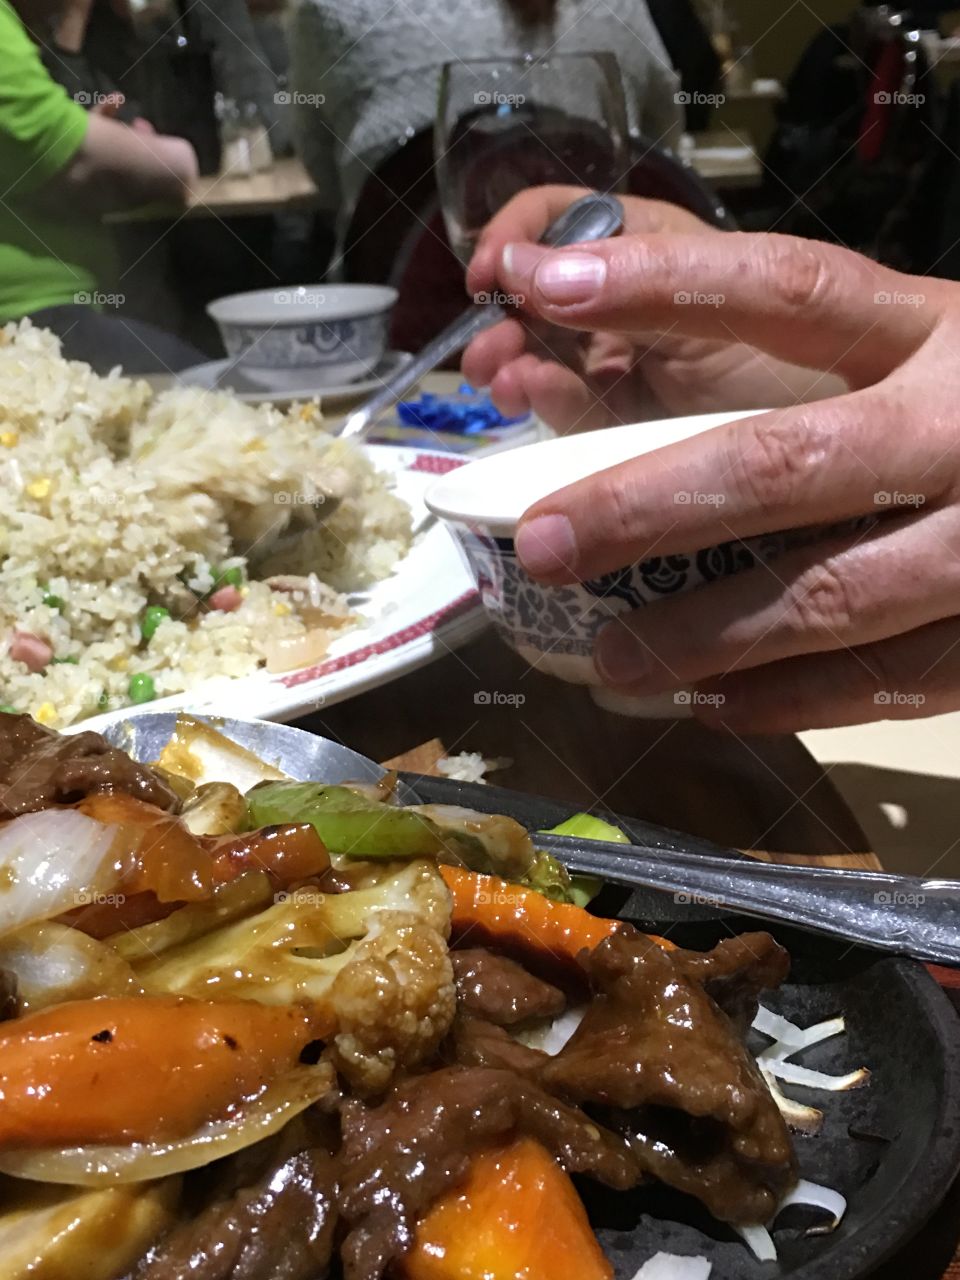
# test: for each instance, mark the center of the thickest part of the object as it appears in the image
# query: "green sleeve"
(41, 127)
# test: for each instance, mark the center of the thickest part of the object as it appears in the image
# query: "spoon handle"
(593, 217)
(906, 915)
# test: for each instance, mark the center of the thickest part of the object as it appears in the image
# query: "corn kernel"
(281, 608)
(46, 713)
(9, 439)
(40, 488)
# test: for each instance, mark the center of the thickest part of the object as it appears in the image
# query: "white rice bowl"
(116, 498)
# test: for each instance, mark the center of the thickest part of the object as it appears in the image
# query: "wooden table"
(280, 189)
(758, 793)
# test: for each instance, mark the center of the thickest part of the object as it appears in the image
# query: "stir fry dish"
(268, 1029)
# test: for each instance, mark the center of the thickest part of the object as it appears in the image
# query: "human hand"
(577, 381)
(176, 153)
(855, 627)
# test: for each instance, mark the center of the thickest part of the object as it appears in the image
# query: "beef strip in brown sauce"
(40, 768)
(279, 1228)
(474, 1042)
(736, 971)
(493, 987)
(400, 1156)
(655, 1048)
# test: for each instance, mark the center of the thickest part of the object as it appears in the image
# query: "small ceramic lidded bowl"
(305, 337)
(554, 628)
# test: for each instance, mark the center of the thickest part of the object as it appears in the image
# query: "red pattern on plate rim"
(437, 464)
(416, 630)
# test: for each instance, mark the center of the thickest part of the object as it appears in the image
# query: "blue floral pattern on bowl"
(555, 627)
(318, 344)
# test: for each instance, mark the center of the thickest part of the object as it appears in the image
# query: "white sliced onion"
(777, 1027)
(817, 1197)
(792, 1073)
(52, 862)
(551, 1037)
(760, 1243)
(805, 1119)
(98, 1166)
(673, 1266)
(812, 1035)
(54, 963)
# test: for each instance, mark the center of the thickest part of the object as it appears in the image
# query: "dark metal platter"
(892, 1148)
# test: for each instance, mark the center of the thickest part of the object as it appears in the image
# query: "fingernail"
(521, 258)
(564, 278)
(619, 656)
(546, 545)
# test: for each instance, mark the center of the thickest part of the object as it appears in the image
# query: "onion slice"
(249, 1122)
(53, 862)
(825, 1198)
(760, 1243)
(792, 1073)
(673, 1266)
(778, 1028)
(803, 1119)
(812, 1035)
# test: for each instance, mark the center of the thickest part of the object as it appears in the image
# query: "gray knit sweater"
(376, 64)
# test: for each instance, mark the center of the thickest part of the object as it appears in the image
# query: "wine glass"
(507, 124)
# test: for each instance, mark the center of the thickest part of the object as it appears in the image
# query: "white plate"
(223, 375)
(427, 608)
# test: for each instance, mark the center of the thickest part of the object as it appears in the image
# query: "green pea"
(229, 577)
(8, 710)
(141, 688)
(153, 615)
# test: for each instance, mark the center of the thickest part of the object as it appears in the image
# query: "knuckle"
(822, 601)
(615, 504)
(775, 456)
(798, 273)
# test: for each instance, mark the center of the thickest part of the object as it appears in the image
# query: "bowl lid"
(496, 491)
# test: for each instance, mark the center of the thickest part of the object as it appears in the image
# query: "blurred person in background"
(365, 73)
(62, 168)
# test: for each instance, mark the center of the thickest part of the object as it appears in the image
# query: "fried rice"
(118, 499)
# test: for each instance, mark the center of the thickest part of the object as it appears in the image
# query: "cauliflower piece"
(376, 955)
(394, 1001)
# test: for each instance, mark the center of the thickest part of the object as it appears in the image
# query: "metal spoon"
(594, 217)
(905, 915)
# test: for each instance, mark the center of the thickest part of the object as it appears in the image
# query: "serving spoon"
(592, 217)
(904, 915)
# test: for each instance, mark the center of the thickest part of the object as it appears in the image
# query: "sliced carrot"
(516, 1217)
(140, 1068)
(523, 919)
(162, 865)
